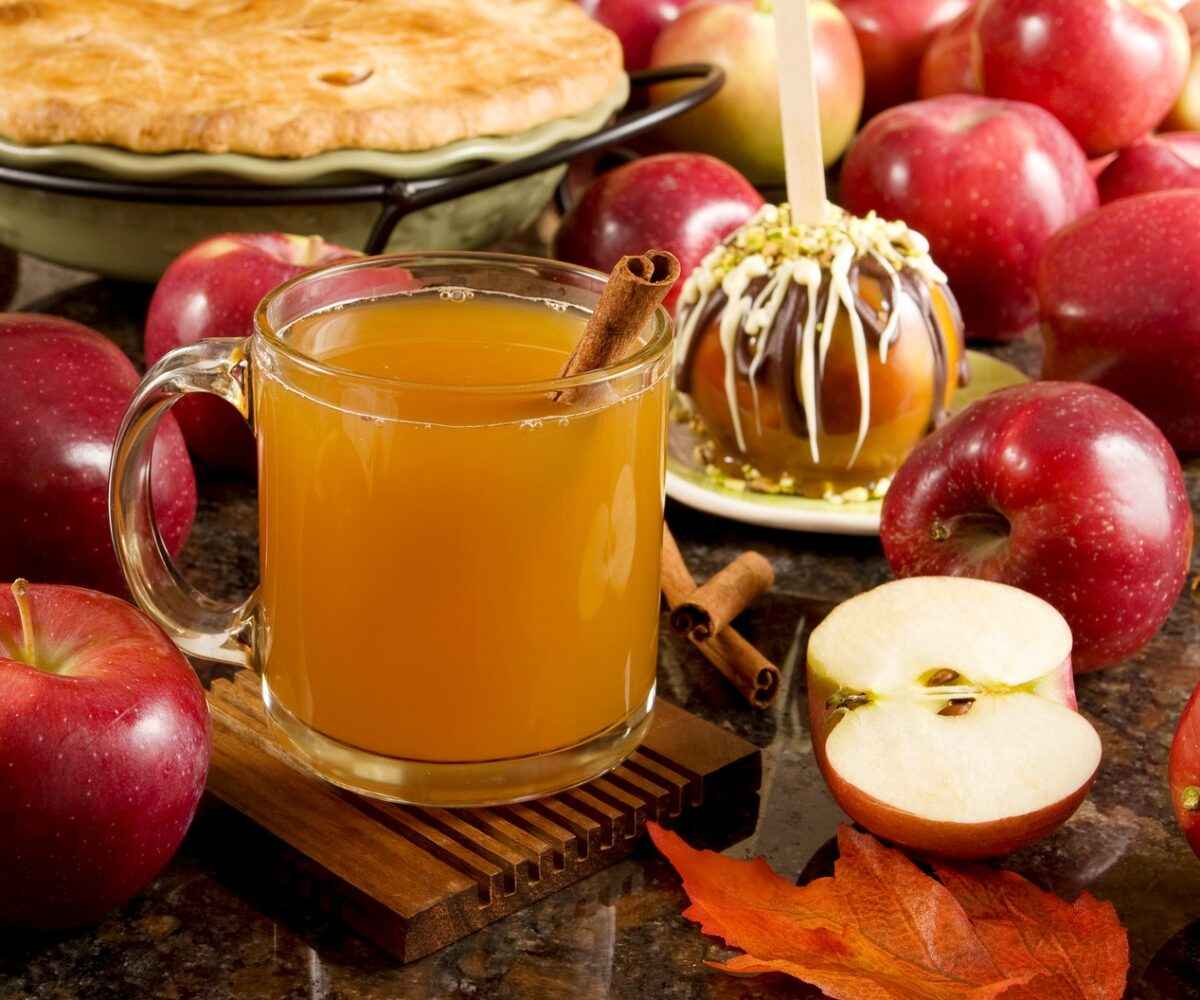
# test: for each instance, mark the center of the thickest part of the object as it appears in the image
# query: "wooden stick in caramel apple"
(802, 157)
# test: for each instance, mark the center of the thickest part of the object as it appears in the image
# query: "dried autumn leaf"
(881, 929)
(878, 930)
(1080, 949)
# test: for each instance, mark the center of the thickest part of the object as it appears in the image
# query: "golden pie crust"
(293, 78)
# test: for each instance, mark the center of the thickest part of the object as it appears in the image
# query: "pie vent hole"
(347, 77)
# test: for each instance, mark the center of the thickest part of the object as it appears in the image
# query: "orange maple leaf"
(881, 929)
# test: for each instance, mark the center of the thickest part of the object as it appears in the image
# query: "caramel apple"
(816, 357)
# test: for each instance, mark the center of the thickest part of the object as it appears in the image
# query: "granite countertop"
(208, 928)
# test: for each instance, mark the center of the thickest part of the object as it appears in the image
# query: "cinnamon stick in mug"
(724, 596)
(636, 288)
(756, 677)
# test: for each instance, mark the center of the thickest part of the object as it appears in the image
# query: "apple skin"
(892, 38)
(958, 841)
(1155, 163)
(1118, 307)
(636, 23)
(682, 202)
(1062, 489)
(63, 391)
(1109, 70)
(741, 125)
(987, 182)
(948, 65)
(1184, 770)
(212, 290)
(105, 758)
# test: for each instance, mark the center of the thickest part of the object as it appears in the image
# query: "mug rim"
(658, 344)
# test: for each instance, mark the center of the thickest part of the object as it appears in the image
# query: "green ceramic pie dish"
(137, 240)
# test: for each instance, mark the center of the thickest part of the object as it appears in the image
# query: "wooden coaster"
(414, 880)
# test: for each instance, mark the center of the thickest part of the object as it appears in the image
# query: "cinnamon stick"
(635, 289)
(756, 677)
(724, 596)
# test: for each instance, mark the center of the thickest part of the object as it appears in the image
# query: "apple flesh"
(892, 38)
(741, 125)
(1061, 489)
(948, 65)
(212, 290)
(106, 747)
(682, 202)
(1118, 307)
(63, 392)
(943, 716)
(987, 183)
(1155, 163)
(1184, 772)
(636, 23)
(1109, 70)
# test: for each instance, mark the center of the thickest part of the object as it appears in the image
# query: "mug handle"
(198, 625)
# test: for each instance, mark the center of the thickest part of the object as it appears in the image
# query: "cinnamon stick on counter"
(756, 677)
(720, 599)
(635, 289)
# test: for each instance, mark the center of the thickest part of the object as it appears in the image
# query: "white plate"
(688, 483)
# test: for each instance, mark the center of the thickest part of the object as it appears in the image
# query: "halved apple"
(944, 717)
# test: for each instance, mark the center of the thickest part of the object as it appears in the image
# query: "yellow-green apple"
(1184, 772)
(212, 290)
(63, 391)
(1061, 489)
(1109, 70)
(948, 65)
(1185, 115)
(892, 38)
(1118, 292)
(1155, 163)
(682, 202)
(636, 23)
(741, 125)
(943, 716)
(104, 744)
(987, 182)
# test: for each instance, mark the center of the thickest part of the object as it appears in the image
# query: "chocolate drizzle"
(775, 314)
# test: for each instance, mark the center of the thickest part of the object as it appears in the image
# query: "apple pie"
(294, 78)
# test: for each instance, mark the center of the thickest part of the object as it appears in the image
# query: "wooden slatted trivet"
(414, 880)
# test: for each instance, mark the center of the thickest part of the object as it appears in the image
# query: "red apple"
(1109, 70)
(893, 37)
(105, 738)
(212, 290)
(1061, 489)
(1184, 772)
(63, 391)
(636, 22)
(682, 202)
(987, 182)
(1155, 163)
(948, 66)
(741, 124)
(1118, 292)
(943, 716)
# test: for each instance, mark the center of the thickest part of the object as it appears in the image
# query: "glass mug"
(459, 593)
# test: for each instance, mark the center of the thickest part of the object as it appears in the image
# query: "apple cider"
(456, 567)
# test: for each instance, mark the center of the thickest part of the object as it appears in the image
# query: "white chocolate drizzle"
(770, 246)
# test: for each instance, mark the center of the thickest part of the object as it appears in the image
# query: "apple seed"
(957, 707)
(940, 678)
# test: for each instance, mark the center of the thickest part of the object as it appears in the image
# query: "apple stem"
(20, 592)
(1190, 798)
